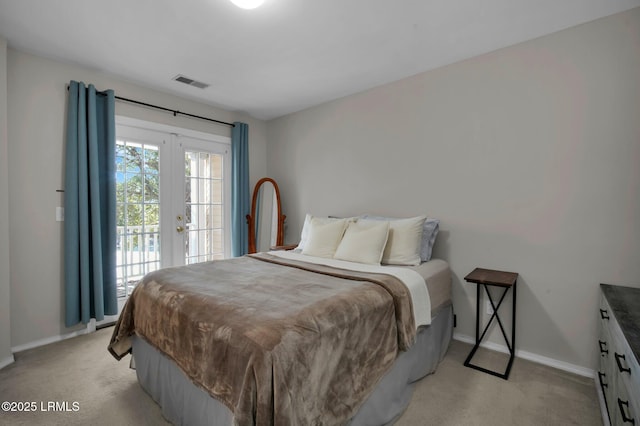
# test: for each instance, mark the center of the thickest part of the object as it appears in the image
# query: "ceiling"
(286, 55)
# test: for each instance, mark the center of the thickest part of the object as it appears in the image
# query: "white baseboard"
(91, 327)
(561, 365)
(6, 361)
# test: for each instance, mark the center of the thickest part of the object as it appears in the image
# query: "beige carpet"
(106, 392)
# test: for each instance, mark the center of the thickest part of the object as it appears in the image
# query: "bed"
(287, 337)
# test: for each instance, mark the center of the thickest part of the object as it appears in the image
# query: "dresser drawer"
(604, 336)
(616, 351)
(618, 368)
(624, 364)
(623, 409)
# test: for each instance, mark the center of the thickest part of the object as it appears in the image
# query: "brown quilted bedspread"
(279, 342)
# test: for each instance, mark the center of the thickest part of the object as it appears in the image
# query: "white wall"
(5, 283)
(529, 155)
(36, 115)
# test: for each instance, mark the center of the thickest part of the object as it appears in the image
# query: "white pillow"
(430, 231)
(403, 244)
(363, 242)
(324, 237)
(304, 235)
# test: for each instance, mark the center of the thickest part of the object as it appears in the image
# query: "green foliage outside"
(137, 186)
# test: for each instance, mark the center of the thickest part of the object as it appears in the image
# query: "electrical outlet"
(489, 308)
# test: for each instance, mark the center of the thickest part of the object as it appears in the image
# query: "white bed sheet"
(411, 279)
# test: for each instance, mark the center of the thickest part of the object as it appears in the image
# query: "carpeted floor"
(92, 388)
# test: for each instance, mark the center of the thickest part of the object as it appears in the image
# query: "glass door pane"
(204, 218)
(137, 212)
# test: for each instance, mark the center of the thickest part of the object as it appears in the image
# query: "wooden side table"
(506, 280)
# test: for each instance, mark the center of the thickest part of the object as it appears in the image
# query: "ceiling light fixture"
(247, 4)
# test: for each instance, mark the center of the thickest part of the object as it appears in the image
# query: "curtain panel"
(239, 189)
(90, 198)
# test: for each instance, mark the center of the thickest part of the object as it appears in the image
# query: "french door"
(172, 199)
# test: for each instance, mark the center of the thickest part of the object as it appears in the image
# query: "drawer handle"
(603, 347)
(625, 419)
(604, 314)
(601, 376)
(622, 369)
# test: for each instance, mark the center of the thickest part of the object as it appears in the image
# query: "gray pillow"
(429, 234)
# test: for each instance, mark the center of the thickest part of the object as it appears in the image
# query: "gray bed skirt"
(184, 403)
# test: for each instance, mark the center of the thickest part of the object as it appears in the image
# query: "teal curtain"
(90, 219)
(239, 189)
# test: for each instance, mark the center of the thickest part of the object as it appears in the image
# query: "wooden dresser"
(619, 353)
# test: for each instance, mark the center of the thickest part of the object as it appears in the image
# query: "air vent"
(191, 82)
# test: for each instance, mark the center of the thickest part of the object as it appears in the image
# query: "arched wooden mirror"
(266, 221)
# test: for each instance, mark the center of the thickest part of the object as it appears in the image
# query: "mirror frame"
(251, 217)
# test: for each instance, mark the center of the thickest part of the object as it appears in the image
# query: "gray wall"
(5, 283)
(36, 117)
(529, 155)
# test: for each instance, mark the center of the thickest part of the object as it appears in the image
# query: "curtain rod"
(174, 111)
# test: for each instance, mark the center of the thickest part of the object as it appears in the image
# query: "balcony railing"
(137, 253)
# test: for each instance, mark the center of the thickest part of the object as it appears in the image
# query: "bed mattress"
(437, 276)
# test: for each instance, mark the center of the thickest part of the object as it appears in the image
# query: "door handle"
(180, 229)
(603, 347)
(625, 418)
(620, 367)
(601, 376)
